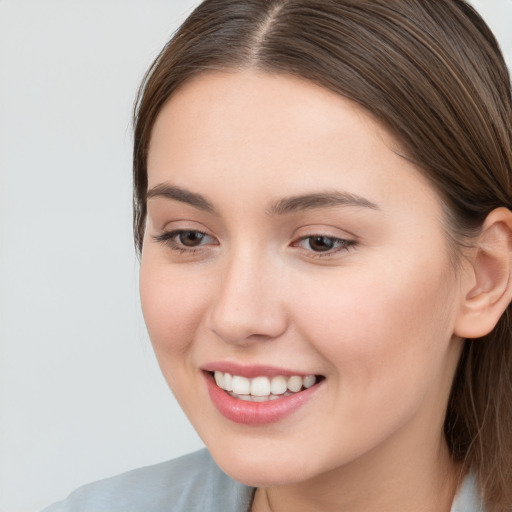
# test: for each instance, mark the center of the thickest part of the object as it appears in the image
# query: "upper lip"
(251, 371)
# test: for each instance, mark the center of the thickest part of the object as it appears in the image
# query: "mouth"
(259, 394)
(256, 399)
(263, 389)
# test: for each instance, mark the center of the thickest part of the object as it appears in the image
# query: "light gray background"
(81, 396)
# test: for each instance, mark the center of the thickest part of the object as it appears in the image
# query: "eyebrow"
(182, 195)
(319, 200)
(281, 207)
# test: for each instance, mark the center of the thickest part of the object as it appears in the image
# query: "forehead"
(258, 130)
(270, 101)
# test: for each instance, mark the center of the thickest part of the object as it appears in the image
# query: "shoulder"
(190, 483)
(468, 498)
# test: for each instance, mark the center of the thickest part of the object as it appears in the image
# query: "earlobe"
(487, 291)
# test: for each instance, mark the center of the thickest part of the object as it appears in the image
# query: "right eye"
(185, 239)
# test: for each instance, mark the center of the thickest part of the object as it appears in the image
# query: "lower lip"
(256, 413)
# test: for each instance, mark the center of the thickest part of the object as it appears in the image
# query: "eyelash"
(342, 245)
(168, 238)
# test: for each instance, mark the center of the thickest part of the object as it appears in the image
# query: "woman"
(322, 194)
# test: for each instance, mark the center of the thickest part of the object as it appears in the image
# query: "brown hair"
(433, 73)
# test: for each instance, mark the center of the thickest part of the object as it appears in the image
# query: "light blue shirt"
(193, 483)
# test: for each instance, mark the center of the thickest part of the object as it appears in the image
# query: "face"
(289, 246)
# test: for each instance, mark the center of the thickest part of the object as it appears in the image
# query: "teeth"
(219, 379)
(260, 386)
(250, 398)
(278, 385)
(241, 385)
(259, 398)
(308, 381)
(295, 383)
(228, 382)
(261, 389)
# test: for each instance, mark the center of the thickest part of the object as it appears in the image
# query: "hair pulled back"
(433, 74)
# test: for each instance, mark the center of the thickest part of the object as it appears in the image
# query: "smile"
(262, 389)
(256, 399)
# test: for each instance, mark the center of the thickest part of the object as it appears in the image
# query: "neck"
(391, 479)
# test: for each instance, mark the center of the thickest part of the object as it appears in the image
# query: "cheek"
(172, 305)
(385, 326)
(385, 339)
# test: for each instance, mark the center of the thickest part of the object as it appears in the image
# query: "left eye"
(321, 243)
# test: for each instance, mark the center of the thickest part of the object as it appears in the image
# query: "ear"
(487, 285)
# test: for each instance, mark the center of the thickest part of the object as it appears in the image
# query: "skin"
(376, 318)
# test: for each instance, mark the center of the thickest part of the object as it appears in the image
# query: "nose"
(248, 305)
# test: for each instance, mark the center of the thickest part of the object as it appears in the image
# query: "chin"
(262, 475)
(264, 467)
